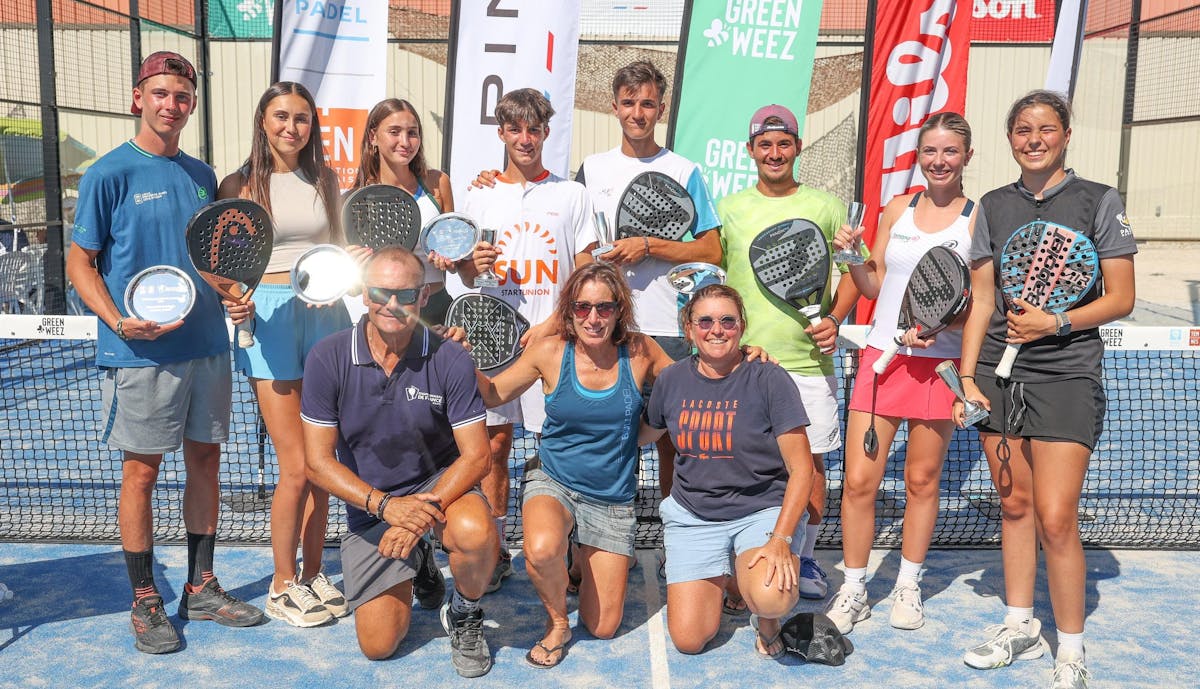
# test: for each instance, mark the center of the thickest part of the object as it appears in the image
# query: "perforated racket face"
(229, 242)
(937, 292)
(654, 205)
(1047, 265)
(494, 328)
(381, 215)
(452, 235)
(791, 260)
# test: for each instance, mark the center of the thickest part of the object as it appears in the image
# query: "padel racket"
(381, 215)
(791, 260)
(494, 328)
(1047, 265)
(938, 291)
(654, 205)
(229, 242)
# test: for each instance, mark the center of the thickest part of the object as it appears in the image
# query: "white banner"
(338, 50)
(1068, 37)
(501, 46)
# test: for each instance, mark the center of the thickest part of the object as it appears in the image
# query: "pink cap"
(161, 63)
(766, 112)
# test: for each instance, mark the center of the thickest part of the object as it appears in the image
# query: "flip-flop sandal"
(560, 649)
(766, 643)
(730, 607)
(573, 584)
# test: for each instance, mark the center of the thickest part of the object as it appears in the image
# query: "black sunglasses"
(404, 297)
(583, 309)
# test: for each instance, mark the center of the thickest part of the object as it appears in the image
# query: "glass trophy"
(603, 236)
(972, 413)
(851, 255)
(488, 279)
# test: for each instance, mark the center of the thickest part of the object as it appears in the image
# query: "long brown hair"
(606, 275)
(260, 165)
(368, 168)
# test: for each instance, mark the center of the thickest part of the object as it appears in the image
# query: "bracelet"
(121, 329)
(647, 242)
(836, 323)
(966, 377)
(367, 502)
(387, 497)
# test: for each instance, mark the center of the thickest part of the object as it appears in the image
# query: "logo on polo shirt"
(148, 196)
(414, 393)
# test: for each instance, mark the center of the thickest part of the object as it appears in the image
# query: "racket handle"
(245, 337)
(1004, 370)
(885, 358)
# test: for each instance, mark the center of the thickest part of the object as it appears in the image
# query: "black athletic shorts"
(1071, 410)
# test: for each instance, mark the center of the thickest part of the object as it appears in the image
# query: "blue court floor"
(68, 626)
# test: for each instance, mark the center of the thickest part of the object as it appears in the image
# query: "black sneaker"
(210, 602)
(152, 630)
(469, 651)
(429, 586)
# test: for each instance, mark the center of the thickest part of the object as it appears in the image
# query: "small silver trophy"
(488, 279)
(162, 294)
(851, 255)
(972, 413)
(603, 236)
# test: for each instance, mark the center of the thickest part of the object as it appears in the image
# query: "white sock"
(500, 522)
(910, 572)
(1070, 644)
(810, 539)
(1019, 619)
(856, 579)
(461, 604)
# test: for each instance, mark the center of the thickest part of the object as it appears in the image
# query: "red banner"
(919, 69)
(1012, 21)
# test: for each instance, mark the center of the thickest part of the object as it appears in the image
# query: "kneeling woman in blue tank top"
(592, 372)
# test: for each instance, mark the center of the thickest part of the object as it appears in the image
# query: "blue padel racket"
(937, 292)
(494, 328)
(381, 215)
(791, 261)
(1049, 266)
(654, 205)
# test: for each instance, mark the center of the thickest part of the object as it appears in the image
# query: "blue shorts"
(285, 328)
(699, 549)
(606, 526)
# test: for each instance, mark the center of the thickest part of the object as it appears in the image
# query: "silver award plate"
(161, 294)
(688, 278)
(452, 235)
(324, 274)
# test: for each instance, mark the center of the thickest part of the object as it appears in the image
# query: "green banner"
(240, 18)
(739, 55)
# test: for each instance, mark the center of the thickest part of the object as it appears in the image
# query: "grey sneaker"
(503, 569)
(152, 629)
(469, 651)
(1005, 645)
(329, 595)
(1070, 672)
(908, 612)
(429, 586)
(848, 609)
(297, 605)
(813, 583)
(211, 602)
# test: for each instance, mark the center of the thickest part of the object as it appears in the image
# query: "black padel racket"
(654, 205)
(230, 242)
(791, 260)
(1047, 265)
(381, 215)
(494, 328)
(939, 289)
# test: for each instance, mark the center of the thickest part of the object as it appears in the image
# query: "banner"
(735, 57)
(239, 18)
(502, 46)
(1068, 43)
(919, 69)
(339, 51)
(1012, 21)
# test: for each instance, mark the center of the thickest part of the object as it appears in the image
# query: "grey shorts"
(1070, 410)
(151, 409)
(602, 525)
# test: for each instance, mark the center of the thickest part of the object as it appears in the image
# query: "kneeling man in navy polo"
(394, 426)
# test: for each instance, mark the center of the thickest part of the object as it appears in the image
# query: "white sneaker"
(297, 606)
(1070, 672)
(848, 609)
(329, 595)
(813, 583)
(1005, 644)
(908, 612)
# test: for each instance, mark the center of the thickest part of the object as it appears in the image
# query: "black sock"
(141, 572)
(200, 557)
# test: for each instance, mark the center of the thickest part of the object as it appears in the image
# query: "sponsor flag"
(497, 47)
(736, 56)
(1012, 21)
(339, 52)
(1068, 43)
(919, 69)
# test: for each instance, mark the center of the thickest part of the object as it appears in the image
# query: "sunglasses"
(383, 295)
(706, 323)
(583, 309)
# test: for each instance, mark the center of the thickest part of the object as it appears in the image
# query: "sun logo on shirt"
(528, 255)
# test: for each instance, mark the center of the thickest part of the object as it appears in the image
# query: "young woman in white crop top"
(286, 174)
(909, 389)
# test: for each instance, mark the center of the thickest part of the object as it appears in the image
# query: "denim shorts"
(699, 549)
(285, 328)
(609, 527)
